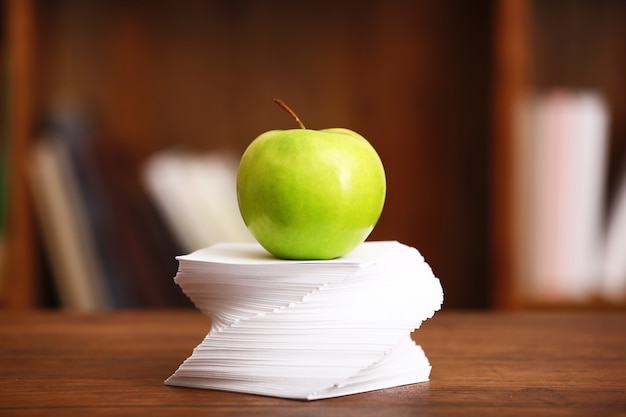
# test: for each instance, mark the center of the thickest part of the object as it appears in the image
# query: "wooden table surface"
(484, 364)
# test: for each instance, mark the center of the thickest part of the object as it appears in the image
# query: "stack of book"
(308, 329)
(106, 243)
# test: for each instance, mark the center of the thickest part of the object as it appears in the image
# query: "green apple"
(310, 194)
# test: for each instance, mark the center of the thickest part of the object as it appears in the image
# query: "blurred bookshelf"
(556, 205)
(435, 86)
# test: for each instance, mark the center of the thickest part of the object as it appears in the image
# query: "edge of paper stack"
(307, 329)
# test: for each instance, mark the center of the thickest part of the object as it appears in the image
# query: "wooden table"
(484, 364)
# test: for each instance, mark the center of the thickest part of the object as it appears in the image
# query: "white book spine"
(562, 165)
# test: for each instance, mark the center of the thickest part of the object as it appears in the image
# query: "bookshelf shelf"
(200, 76)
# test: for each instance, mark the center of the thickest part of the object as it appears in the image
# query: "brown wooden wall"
(411, 76)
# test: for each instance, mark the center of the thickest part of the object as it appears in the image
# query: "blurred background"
(122, 122)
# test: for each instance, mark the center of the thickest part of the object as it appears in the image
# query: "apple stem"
(291, 112)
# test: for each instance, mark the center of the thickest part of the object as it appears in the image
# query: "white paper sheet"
(308, 329)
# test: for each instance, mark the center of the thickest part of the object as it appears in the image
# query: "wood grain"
(412, 77)
(484, 364)
(18, 273)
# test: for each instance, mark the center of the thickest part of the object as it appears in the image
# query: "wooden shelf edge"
(20, 269)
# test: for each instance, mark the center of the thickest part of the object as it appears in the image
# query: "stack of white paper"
(308, 329)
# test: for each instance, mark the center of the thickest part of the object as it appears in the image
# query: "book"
(67, 238)
(135, 237)
(106, 243)
(196, 195)
(613, 287)
(307, 330)
(561, 170)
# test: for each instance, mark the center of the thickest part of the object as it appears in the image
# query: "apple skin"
(310, 194)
